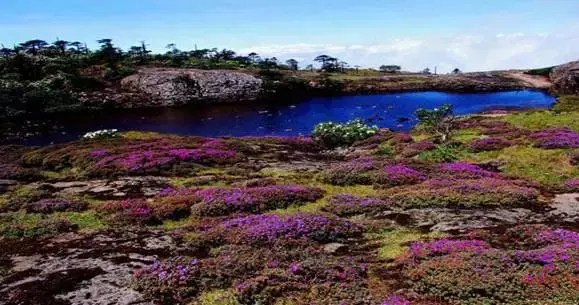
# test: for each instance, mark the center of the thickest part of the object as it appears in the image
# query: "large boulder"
(565, 78)
(172, 86)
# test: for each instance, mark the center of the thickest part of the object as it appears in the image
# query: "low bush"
(48, 206)
(464, 170)
(220, 201)
(468, 193)
(488, 144)
(101, 134)
(278, 229)
(399, 174)
(336, 134)
(443, 153)
(348, 205)
(417, 148)
(472, 272)
(130, 212)
(555, 138)
(42, 227)
(571, 185)
(353, 172)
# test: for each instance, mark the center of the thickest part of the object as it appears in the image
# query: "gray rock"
(123, 187)
(335, 248)
(172, 86)
(565, 208)
(565, 78)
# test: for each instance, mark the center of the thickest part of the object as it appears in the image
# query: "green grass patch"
(548, 166)
(88, 220)
(466, 135)
(140, 135)
(567, 103)
(443, 153)
(217, 297)
(537, 120)
(395, 243)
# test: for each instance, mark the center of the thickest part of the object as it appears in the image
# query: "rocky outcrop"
(170, 87)
(565, 78)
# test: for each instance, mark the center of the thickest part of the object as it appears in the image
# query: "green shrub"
(384, 150)
(335, 134)
(438, 121)
(443, 153)
(541, 71)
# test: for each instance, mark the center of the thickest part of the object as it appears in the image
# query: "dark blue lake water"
(394, 111)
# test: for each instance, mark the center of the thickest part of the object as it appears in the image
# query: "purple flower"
(400, 174)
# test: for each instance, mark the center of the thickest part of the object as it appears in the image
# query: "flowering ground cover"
(472, 271)
(292, 221)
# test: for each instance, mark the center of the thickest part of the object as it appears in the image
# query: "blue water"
(394, 111)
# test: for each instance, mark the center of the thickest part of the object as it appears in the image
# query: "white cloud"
(467, 52)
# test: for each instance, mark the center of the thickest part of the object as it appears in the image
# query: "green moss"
(551, 166)
(537, 120)
(395, 243)
(567, 103)
(88, 220)
(217, 297)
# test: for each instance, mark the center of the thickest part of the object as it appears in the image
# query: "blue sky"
(471, 34)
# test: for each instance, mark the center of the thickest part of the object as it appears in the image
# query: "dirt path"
(537, 81)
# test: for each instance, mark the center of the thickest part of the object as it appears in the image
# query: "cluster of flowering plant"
(221, 201)
(572, 185)
(555, 138)
(400, 174)
(347, 205)
(141, 161)
(271, 228)
(472, 272)
(417, 148)
(47, 206)
(489, 144)
(470, 193)
(466, 170)
(396, 300)
(336, 134)
(132, 211)
(170, 282)
(352, 172)
(101, 134)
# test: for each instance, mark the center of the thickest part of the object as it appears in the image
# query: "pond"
(394, 111)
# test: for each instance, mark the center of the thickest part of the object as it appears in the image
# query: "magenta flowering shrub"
(416, 148)
(171, 282)
(555, 138)
(144, 161)
(571, 185)
(466, 170)
(469, 193)
(489, 144)
(400, 174)
(222, 201)
(353, 172)
(273, 229)
(260, 275)
(400, 138)
(348, 205)
(423, 250)
(396, 300)
(47, 206)
(132, 211)
(473, 272)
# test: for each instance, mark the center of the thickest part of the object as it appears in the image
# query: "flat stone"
(334, 248)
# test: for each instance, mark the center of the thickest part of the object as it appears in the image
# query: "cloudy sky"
(468, 34)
